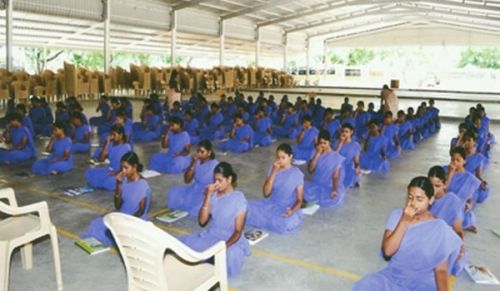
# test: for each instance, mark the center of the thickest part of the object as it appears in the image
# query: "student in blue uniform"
(21, 110)
(191, 126)
(213, 128)
(262, 129)
(19, 138)
(405, 132)
(283, 192)
(475, 164)
(80, 134)
(287, 126)
(374, 157)
(105, 109)
(327, 184)
(362, 119)
(306, 140)
(113, 150)
(223, 212)
(177, 144)
(198, 176)
(241, 137)
(150, 128)
(351, 151)
(60, 159)
(132, 196)
(391, 131)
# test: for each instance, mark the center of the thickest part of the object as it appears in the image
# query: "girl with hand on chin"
(132, 196)
(420, 248)
(283, 191)
(223, 210)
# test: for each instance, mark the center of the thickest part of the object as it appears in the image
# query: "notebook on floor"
(92, 246)
(171, 215)
(481, 275)
(77, 191)
(254, 235)
(146, 174)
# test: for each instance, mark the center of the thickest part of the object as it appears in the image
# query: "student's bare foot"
(357, 185)
(472, 229)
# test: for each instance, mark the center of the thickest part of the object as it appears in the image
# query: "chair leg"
(57, 260)
(4, 266)
(27, 256)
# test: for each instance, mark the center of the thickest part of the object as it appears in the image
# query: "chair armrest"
(192, 256)
(8, 193)
(40, 207)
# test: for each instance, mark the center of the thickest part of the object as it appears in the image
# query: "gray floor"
(332, 249)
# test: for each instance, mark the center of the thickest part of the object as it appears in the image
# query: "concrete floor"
(332, 249)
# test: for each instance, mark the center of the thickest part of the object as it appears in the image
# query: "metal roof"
(144, 25)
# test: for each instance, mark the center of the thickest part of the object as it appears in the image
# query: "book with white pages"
(97, 163)
(481, 275)
(254, 235)
(309, 208)
(146, 174)
(171, 215)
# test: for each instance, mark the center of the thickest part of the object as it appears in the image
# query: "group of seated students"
(330, 145)
(439, 208)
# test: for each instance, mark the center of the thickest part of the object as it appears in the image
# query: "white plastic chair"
(20, 229)
(155, 260)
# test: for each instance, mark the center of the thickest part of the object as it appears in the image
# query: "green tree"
(335, 59)
(167, 59)
(484, 58)
(360, 56)
(40, 57)
(88, 60)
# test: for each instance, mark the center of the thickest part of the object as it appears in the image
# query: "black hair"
(388, 113)
(206, 144)
(307, 117)
(121, 112)
(438, 172)
(423, 183)
(286, 148)
(21, 107)
(459, 150)
(132, 159)
(324, 135)
(14, 116)
(348, 125)
(60, 125)
(214, 105)
(60, 104)
(373, 121)
(259, 109)
(328, 111)
(401, 112)
(226, 170)
(188, 112)
(119, 129)
(463, 125)
(77, 115)
(115, 100)
(176, 120)
(176, 103)
(470, 134)
(360, 102)
(238, 116)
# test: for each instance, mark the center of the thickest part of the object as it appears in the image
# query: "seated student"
(224, 210)
(279, 211)
(176, 110)
(423, 122)
(306, 140)
(351, 151)
(416, 125)
(177, 144)
(126, 106)
(114, 148)
(21, 110)
(262, 129)
(60, 159)
(80, 134)
(482, 136)
(391, 132)
(120, 119)
(434, 113)
(19, 138)
(105, 127)
(228, 109)
(330, 124)
(149, 129)
(105, 110)
(415, 263)
(374, 156)
(191, 126)
(241, 137)
(213, 128)
(457, 141)
(62, 114)
(11, 109)
(132, 196)
(448, 207)
(485, 126)
(327, 184)
(37, 115)
(48, 117)
(362, 119)
(464, 185)
(346, 117)
(346, 105)
(190, 197)
(318, 113)
(287, 126)
(475, 164)
(405, 133)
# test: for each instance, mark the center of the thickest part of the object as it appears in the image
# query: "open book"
(481, 275)
(97, 163)
(254, 235)
(77, 191)
(146, 174)
(309, 208)
(171, 215)
(45, 153)
(92, 246)
(299, 162)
